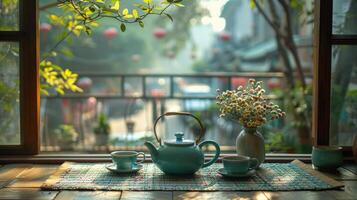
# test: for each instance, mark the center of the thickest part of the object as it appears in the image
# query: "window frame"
(28, 38)
(324, 39)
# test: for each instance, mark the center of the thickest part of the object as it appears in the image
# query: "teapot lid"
(179, 141)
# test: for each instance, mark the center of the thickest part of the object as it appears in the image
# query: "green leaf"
(88, 30)
(141, 24)
(179, 5)
(122, 27)
(169, 16)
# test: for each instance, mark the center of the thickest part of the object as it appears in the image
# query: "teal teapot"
(180, 156)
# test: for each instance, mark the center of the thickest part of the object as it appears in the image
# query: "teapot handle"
(216, 156)
(202, 132)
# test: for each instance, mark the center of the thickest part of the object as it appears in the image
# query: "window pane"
(344, 17)
(137, 75)
(343, 95)
(9, 94)
(9, 15)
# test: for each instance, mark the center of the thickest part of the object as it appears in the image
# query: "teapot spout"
(153, 151)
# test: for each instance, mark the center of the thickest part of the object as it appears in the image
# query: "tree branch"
(57, 44)
(266, 17)
(283, 51)
(290, 43)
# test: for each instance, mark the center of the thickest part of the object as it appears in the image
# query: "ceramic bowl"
(327, 157)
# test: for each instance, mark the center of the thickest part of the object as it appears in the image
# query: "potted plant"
(249, 107)
(66, 136)
(102, 130)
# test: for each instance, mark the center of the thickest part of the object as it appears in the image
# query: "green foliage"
(201, 66)
(87, 11)
(54, 76)
(83, 16)
(66, 134)
(102, 126)
(9, 15)
(9, 92)
(276, 143)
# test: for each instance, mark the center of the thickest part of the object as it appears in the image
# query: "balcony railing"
(155, 90)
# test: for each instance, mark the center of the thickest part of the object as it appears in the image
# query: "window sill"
(60, 158)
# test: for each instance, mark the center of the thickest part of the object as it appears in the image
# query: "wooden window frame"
(28, 38)
(324, 39)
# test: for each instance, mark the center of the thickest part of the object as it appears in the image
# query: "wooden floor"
(22, 181)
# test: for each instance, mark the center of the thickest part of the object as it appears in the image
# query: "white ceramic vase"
(251, 143)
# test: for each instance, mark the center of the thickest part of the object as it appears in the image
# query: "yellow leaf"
(147, 1)
(135, 13)
(158, 8)
(54, 17)
(128, 16)
(252, 4)
(94, 24)
(179, 5)
(125, 11)
(116, 5)
(76, 32)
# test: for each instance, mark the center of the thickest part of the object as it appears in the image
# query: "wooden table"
(22, 181)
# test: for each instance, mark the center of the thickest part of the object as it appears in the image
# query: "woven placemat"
(270, 177)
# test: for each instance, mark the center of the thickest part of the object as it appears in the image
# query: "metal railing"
(228, 77)
(225, 80)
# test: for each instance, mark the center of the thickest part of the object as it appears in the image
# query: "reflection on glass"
(344, 17)
(9, 15)
(343, 95)
(9, 94)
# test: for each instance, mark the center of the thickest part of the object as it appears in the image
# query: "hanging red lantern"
(84, 83)
(45, 27)
(237, 81)
(110, 33)
(225, 36)
(273, 83)
(160, 33)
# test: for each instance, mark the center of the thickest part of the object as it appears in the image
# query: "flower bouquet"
(250, 107)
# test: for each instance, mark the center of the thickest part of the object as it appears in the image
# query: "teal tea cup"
(239, 164)
(327, 157)
(126, 160)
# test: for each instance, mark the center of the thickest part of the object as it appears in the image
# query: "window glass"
(343, 95)
(344, 17)
(9, 15)
(222, 42)
(9, 94)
